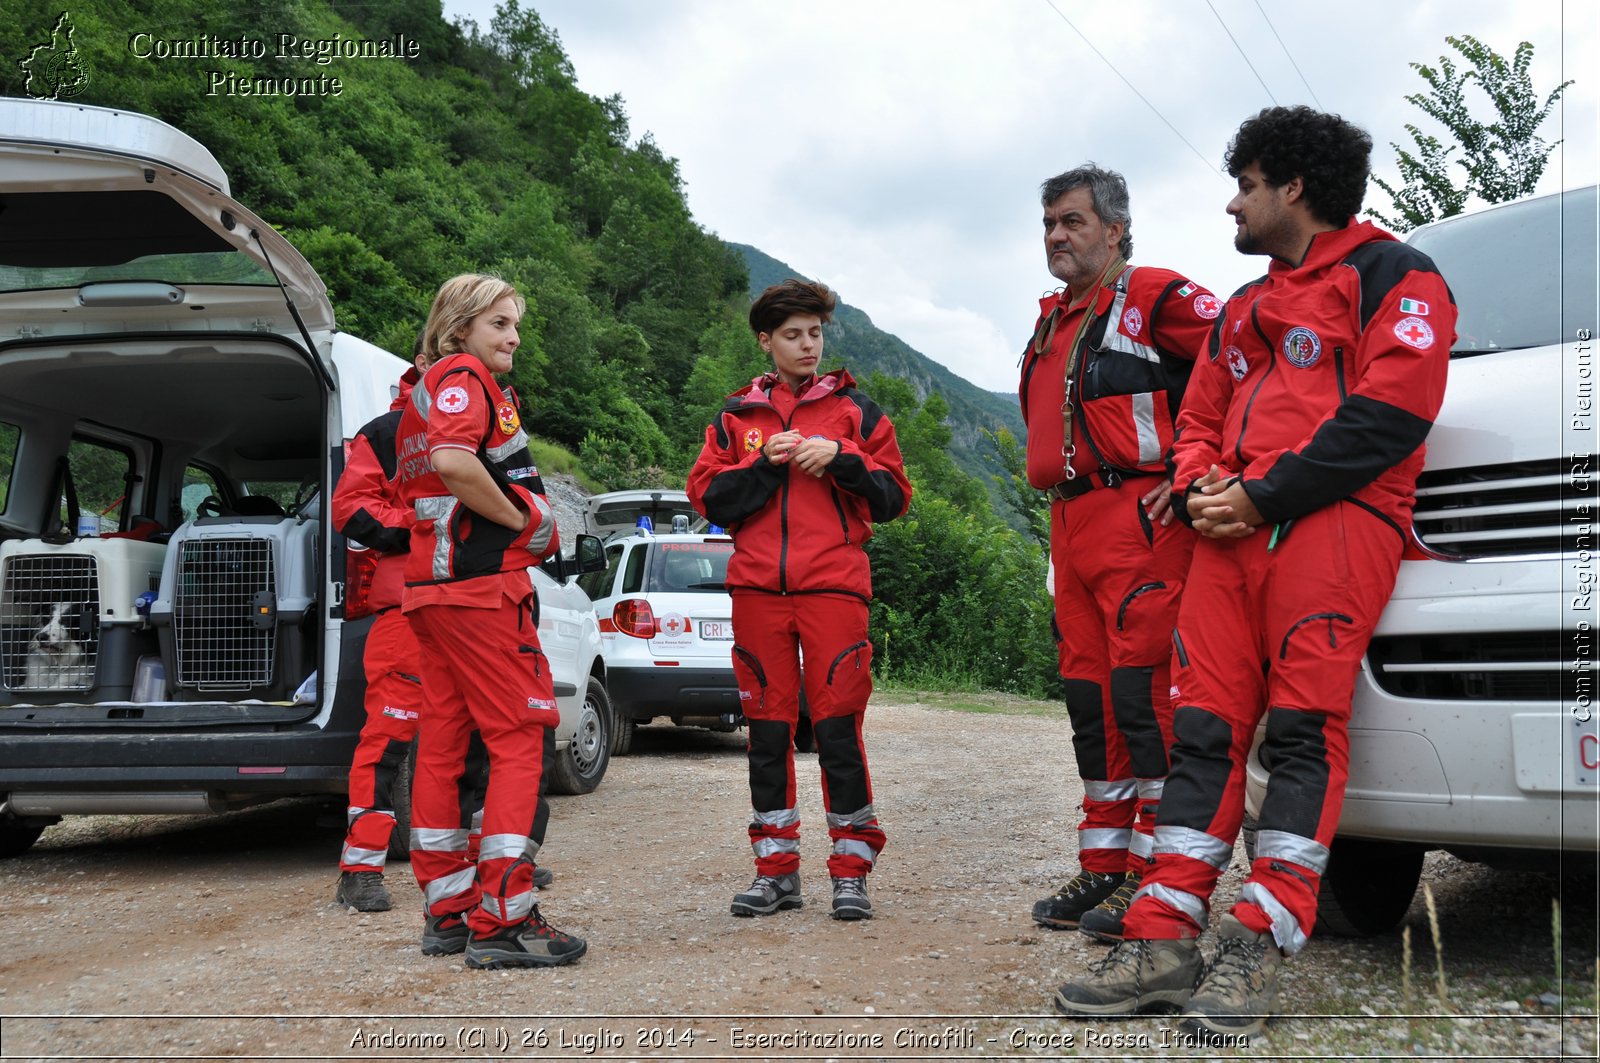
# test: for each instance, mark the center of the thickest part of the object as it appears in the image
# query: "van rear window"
(691, 567)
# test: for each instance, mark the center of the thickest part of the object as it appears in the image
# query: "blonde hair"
(460, 299)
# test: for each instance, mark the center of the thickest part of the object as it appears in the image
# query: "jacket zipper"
(838, 506)
(1272, 362)
(1338, 371)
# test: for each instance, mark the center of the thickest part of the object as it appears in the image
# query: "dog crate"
(236, 614)
(69, 630)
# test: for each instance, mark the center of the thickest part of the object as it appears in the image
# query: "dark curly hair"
(1327, 153)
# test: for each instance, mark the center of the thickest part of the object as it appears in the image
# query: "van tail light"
(360, 566)
(633, 616)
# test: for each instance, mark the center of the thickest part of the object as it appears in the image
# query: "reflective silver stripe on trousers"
(452, 885)
(355, 811)
(1116, 341)
(506, 846)
(852, 847)
(1141, 845)
(439, 839)
(434, 506)
(865, 816)
(547, 527)
(1151, 789)
(1195, 844)
(778, 817)
(1115, 790)
(774, 846)
(1104, 838)
(1281, 845)
(363, 857)
(1144, 425)
(1285, 927)
(516, 444)
(421, 401)
(514, 910)
(1187, 903)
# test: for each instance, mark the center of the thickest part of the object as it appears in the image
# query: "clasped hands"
(813, 454)
(1222, 509)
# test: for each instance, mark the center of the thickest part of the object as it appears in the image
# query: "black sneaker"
(1065, 907)
(364, 891)
(542, 877)
(530, 943)
(768, 894)
(445, 935)
(1103, 922)
(850, 899)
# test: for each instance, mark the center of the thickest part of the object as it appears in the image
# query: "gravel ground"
(215, 937)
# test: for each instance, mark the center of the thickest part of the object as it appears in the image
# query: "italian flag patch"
(1187, 289)
(1414, 306)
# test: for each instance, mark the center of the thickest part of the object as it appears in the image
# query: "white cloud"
(895, 148)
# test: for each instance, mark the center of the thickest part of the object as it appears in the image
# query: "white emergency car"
(1473, 727)
(174, 403)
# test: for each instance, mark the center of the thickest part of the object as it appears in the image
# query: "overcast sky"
(894, 149)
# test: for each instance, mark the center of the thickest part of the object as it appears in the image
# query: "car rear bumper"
(645, 693)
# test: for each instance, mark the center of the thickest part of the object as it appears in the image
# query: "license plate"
(716, 630)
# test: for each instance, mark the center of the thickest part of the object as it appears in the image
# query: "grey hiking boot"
(364, 891)
(1239, 990)
(445, 935)
(768, 894)
(530, 943)
(850, 899)
(1065, 907)
(1136, 976)
(1103, 922)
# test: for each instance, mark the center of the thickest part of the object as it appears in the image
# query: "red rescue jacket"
(794, 533)
(367, 508)
(1152, 325)
(458, 405)
(1321, 381)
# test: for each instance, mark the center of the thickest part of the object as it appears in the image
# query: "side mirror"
(591, 554)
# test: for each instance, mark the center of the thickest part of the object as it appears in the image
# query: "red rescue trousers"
(1119, 576)
(483, 669)
(770, 632)
(394, 696)
(1276, 632)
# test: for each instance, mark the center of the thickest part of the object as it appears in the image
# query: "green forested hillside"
(481, 153)
(853, 340)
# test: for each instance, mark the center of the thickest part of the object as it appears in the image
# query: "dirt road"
(216, 937)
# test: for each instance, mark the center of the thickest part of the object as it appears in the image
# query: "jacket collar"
(1333, 246)
(759, 392)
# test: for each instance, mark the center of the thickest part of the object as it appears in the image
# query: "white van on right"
(1473, 727)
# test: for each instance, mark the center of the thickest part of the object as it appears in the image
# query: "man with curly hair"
(1297, 453)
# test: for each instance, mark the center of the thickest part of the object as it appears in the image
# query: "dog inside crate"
(49, 622)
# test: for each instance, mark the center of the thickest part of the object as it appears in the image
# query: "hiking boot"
(1103, 922)
(850, 898)
(1239, 990)
(445, 935)
(364, 891)
(542, 877)
(1137, 976)
(1063, 908)
(530, 943)
(768, 894)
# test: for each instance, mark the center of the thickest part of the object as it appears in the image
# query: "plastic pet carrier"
(237, 610)
(69, 630)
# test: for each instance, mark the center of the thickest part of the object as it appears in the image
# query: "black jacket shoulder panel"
(1380, 266)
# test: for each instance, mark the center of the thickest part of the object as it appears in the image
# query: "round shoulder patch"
(506, 415)
(1302, 347)
(1132, 320)
(1414, 332)
(1207, 306)
(1238, 365)
(452, 399)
